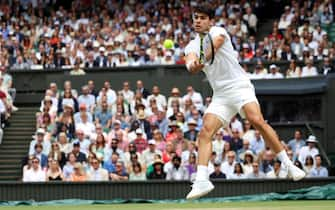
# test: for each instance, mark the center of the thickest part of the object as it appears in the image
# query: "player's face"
(201, 22)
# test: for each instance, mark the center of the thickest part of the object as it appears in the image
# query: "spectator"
(293, 70)
(267, 162)
(251, 19)
(160, 99)
(227, 167)
(82, 140)
(54, 172)
(257, 143)
(120, 174)
(79, 115)
(57, 154)
(137, 173)
(248, 159)
(327, 68)
(63, 143)
(97, 173)
(319, 170)
(76, 71)
(68, 168)
(101, 60)
(159, 139)
(278, 172)
(296, 143)
(238, 172)
(218, 143)
(308, 150)
(78, 174)
(236, 142)
(195, 97)
(158, 172)
(113, 148)
(217, 174)
(274, 73)
(35, 173)
(140, 88)
(309, 165)
(309, 69)
(149, 153)
(128, 94)
(255, 174)
(103, 116)
(177, 172)
(80, 156)
(191, 165)
(87, 99)
(191, 134)
(39, 138)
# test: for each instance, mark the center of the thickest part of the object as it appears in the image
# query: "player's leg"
(253, 113)
(202, 185)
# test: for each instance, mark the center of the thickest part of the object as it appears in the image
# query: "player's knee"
(256, 121)
(205, 133)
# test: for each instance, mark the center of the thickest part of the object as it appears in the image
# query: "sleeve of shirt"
(217, 31)
(192, 47)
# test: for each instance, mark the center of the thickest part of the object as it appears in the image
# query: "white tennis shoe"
(200, 188)
(295, 172)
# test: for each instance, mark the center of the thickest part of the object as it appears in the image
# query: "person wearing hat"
(80, 157)
(148, 154)
(140, 142)
(158, 170)
(308, 150)
(172, 134)
(168, 58)
(192, 133)
(39, 138)
(101, 60)
(274, 73)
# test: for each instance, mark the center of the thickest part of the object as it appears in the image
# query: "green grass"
(266, 205)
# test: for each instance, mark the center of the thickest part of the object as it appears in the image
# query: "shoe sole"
(298, 178)
(199, 195)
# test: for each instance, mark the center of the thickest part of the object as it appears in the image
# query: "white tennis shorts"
(227, 103)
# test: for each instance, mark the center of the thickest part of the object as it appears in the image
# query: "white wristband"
(188, 65)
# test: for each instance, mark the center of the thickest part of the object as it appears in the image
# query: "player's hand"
(196, 66)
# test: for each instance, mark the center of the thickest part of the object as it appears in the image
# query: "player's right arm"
(192, 51)
(193, 64)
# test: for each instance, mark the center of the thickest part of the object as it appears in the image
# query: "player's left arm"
(218, 41)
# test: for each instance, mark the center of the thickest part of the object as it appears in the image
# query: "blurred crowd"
(100, 134)
(45, 35)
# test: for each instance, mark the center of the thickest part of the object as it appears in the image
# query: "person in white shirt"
(128, 94)
(218, 143)
(160, 99)
(309, 150)
(84, 142)
(195, 97)
(177, 171)
(97, 173)
(309, 70)
(233, 93)
(236, 124)
(258, 73)
(86, 98)
(148, 154)
(278, 172)
(39, 138)
(274, 73)
(228, 167)
(35, 173)
(86, 126)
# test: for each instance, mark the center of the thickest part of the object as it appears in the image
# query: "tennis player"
(232, 93)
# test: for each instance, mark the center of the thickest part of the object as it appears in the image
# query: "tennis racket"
(207, 53)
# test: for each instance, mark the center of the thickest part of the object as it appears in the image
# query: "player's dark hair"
(205, 8)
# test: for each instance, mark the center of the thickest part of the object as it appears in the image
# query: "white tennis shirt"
(225, 72)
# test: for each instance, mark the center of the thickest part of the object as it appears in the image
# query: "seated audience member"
(35, 173)
(308, 150)
(110, 164)
(309, 165)
(228, 166)
(278, 172)
(83, 141)
(319, 170)
(42, 157)
(192, 133)
(256, 173)
(309, 70)
(296, 143)
(217, 174)
(68, 168)
(54, 172)
(63, 143)
(274, 73)
(238, 172)
(120, 173)
(82, 110)
(158, 172)
(103, 116)
(149, 153)
(113, 148)
(57, 154)
(137, 173)
(177, 172)
(80, 156)
(78, 174)
(97, 173)
(87, 99)
(39, 138)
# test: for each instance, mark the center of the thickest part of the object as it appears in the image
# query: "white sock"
(202, 173)
(282, 156)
